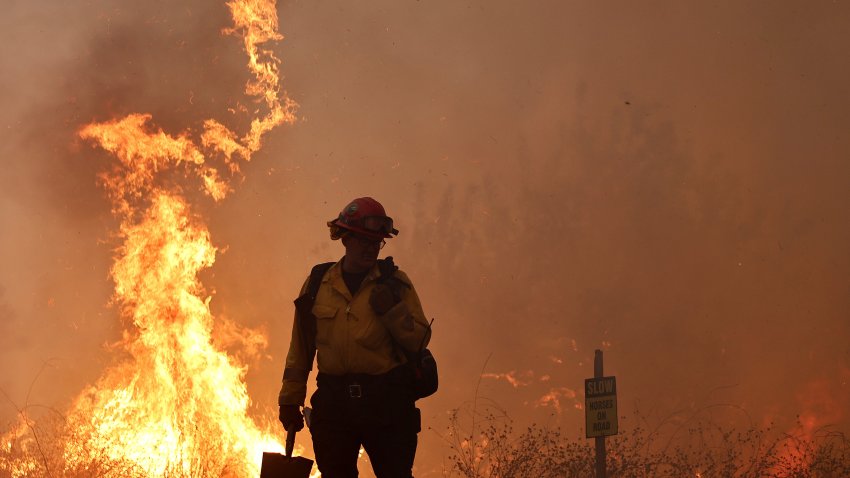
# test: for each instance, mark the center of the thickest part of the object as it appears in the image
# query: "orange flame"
(524, 379)
(178, 405)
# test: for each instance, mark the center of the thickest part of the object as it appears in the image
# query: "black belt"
(358, 385)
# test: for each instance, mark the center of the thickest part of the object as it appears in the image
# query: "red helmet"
(364, 216)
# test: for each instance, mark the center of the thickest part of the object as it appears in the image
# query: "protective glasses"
(367, 242)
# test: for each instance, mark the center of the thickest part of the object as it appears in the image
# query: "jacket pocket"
(372, 333)
(324, 322)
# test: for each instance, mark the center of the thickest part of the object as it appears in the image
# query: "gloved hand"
(383, 298)
(290, 416)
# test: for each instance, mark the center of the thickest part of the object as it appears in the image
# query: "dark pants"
(377, 412)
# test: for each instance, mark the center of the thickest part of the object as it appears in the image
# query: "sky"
(665, 181)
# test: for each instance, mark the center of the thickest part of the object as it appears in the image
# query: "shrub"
(485, 444)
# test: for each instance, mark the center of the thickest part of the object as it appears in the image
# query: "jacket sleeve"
(293, 390)
(406, 320)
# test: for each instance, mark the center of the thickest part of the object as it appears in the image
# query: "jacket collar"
(334, 276)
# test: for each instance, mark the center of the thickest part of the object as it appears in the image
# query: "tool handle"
(290, 441)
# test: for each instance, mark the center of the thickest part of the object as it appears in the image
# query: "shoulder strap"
(387, 269)
(304, 306)
(319, 271)
(304, 303)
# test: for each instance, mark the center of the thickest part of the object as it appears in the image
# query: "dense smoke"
(666, 183)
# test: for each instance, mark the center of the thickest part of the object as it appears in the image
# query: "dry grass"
(486, 445)
(38, 450)
(45, 443)
(52, 449)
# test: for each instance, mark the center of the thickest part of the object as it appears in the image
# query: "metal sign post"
(600, 399)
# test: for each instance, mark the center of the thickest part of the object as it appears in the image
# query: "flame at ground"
(177, 406)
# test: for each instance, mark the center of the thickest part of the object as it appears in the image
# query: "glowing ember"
(178, 405)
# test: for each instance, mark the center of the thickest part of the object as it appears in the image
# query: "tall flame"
(178, 405)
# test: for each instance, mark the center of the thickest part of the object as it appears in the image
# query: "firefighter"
(362, 332)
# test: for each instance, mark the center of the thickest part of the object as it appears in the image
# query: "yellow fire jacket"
(350, 336)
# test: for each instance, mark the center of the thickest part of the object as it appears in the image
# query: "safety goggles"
(378, 224)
